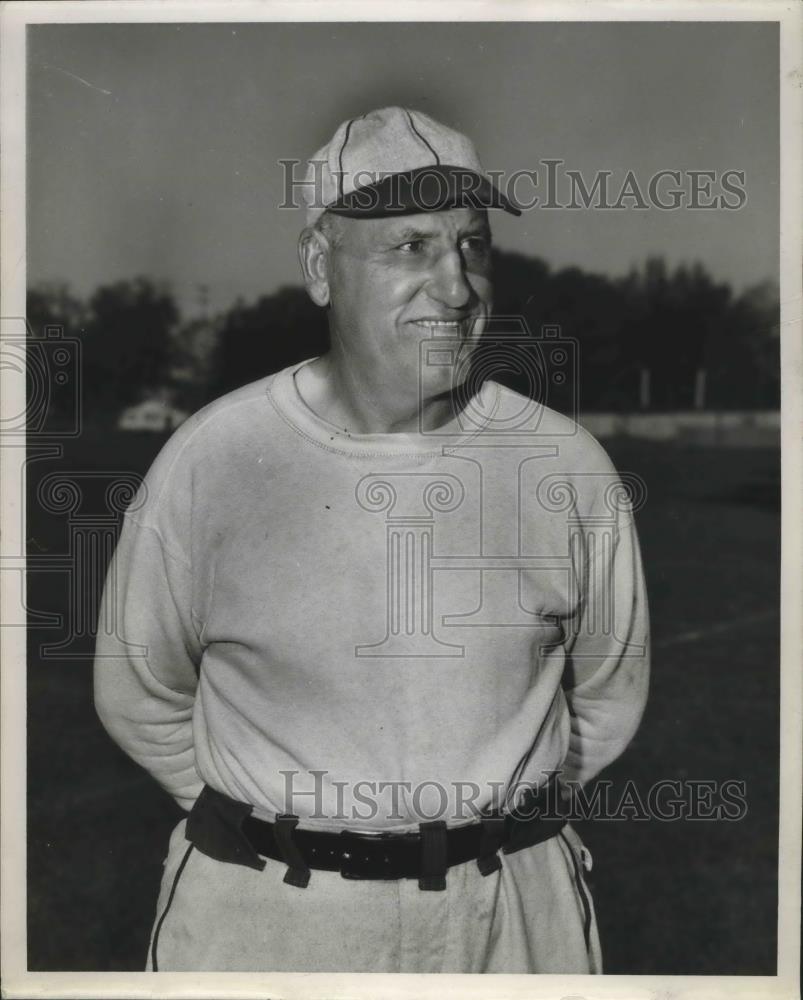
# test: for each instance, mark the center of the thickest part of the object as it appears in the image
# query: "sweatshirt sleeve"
(147, 658)
(607, 673)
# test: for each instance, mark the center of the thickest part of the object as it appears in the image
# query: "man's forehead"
(455, 220)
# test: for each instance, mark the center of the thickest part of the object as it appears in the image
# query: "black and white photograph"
(398, 406)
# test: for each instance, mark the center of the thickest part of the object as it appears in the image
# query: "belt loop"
(215, 826)
(434, 856)
(493, 835)
(298, 873)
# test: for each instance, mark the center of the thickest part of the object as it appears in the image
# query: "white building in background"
(152, 415)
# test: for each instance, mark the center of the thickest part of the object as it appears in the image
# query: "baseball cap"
(396, 161)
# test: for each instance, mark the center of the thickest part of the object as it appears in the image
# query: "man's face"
(397, 281)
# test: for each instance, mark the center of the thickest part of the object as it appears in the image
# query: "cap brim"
(425, 189)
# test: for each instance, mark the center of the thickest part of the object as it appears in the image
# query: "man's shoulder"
(213, 433)
(525, 419)
(232, 408)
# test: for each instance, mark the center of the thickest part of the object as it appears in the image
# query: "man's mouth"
(446, 327)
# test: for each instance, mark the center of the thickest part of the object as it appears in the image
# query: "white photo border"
(16, 980)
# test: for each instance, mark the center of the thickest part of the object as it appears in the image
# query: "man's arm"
(146, 672)
(607, 672)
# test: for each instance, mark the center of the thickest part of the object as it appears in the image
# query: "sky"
(155, 149)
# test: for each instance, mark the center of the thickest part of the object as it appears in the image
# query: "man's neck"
(348, 399)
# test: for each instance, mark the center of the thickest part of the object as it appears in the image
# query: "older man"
(371, 611)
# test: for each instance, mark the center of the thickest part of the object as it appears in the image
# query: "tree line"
(671, 324)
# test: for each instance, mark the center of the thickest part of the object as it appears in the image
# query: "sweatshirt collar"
(285, 397)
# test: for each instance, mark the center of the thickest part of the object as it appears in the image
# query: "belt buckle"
(357, 865)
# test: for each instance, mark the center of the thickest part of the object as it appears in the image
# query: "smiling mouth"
(446, 327)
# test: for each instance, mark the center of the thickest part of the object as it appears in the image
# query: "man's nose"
(449, 284)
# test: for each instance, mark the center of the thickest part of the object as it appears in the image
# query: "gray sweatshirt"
(371, 630)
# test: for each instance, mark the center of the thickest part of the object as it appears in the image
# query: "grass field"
(690, 897)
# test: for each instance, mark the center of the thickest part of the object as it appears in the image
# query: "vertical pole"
(644, 389)
(699, 389)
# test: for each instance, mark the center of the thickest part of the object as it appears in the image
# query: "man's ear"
(313, 255)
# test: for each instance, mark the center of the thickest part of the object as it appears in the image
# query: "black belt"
(223, 829)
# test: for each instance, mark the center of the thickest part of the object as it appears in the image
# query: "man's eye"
(475, 244)
(412, 246)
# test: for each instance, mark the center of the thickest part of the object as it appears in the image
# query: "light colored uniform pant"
(534, 915)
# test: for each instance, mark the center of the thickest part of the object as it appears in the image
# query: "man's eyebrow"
(477, 229)
(411, 233)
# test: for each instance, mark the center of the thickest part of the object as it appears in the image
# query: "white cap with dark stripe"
(397, 161)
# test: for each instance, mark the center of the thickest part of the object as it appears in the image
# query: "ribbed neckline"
(286, 399)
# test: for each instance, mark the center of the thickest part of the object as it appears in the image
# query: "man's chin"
(447, 364)
(439, 381)
(452, 388)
